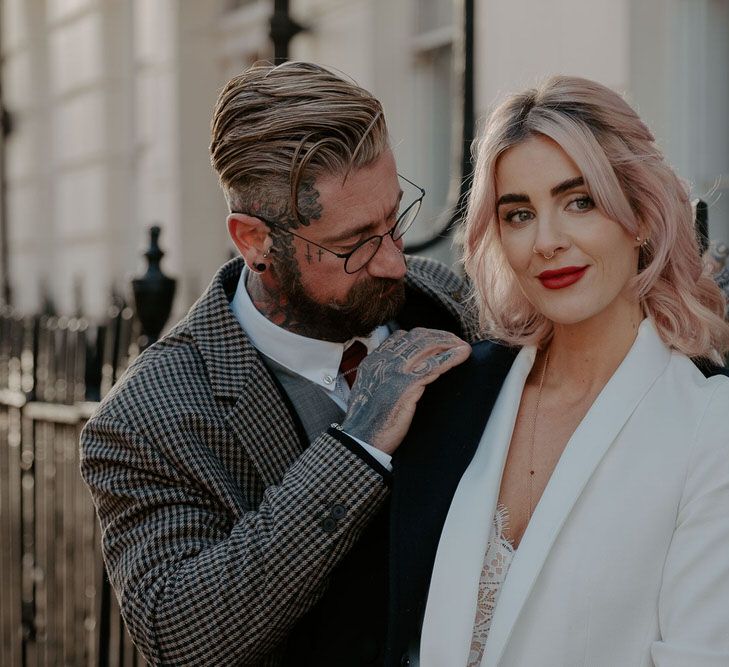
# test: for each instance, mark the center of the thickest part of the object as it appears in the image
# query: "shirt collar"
(316, 360)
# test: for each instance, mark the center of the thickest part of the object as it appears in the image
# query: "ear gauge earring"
(261, 266)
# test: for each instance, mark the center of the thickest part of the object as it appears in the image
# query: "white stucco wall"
(521, 41)
(111, 101)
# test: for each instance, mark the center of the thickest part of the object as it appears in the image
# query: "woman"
(591, 526)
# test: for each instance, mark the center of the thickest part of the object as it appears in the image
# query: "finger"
(436, 336)
(437, 363)
(420, 343)
(455, 356)
(432, 341)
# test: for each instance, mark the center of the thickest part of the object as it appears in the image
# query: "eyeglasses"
(357, 258)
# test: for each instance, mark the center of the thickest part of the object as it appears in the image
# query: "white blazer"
(625, 561)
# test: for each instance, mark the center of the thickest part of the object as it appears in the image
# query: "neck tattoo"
(534, 429)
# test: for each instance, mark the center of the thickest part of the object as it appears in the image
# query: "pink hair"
(629, 181)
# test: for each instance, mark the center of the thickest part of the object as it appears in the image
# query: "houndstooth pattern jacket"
(211, 507)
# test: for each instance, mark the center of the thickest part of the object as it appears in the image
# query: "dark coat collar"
(427, 467)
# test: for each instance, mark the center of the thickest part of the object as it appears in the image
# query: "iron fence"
(56, 604)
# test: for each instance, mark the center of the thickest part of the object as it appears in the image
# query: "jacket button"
(405, 660)
(328, 525)
(338, 511)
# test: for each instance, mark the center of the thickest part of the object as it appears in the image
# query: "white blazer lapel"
(451, 605)
(644, 363)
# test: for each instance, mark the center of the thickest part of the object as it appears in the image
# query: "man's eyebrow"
(567, 185)
(564, 186)
(366, 227)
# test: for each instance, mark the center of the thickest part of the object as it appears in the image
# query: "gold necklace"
(534, 429)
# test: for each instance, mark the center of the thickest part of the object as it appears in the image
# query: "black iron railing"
(57, 606)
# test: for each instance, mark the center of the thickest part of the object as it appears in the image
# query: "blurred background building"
(107, 106)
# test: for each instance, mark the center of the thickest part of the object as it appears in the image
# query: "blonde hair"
(275, 127)
(630, 182)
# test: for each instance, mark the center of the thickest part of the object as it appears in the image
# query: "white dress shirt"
(316, 360)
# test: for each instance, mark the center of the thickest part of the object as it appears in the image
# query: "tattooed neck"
(270, 300)
(267, 290)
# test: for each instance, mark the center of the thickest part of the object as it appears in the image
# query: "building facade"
(110, 103)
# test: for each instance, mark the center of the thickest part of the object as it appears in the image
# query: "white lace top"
(497, 559)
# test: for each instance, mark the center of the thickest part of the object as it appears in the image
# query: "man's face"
(330, 303)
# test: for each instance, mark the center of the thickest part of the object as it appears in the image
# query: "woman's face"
(572, 262)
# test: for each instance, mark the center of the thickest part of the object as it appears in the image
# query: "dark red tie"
(351, 359)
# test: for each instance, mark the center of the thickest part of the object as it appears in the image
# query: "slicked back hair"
(275, 128)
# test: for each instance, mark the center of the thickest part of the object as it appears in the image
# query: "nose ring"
(536, 252)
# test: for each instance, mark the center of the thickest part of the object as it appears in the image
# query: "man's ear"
(250, 236)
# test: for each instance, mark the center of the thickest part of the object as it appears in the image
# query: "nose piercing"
(536, 252)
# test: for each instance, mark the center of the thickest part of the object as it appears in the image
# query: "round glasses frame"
(358, 257)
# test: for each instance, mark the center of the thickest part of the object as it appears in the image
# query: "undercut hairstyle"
(275, 129)
(630, 182)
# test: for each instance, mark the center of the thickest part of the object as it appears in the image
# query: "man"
(241, 483)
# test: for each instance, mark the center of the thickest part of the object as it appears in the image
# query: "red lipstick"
(560, 278)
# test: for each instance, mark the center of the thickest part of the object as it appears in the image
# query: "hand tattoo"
(391, 379)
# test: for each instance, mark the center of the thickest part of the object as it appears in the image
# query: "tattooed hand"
(391, 380)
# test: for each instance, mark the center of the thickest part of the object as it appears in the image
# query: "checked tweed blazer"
(217, 517)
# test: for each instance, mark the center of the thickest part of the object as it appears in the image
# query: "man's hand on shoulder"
(391, 380)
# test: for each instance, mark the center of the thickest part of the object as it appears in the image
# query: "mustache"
(372, 291)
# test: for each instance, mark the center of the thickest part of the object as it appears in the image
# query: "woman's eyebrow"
(564, 186)
(512, 198)
(567, 185)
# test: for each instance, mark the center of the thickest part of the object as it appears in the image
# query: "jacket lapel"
(435, 299)
(644, 363)
(265, 427)
(259, 414)
(427, 467)
(451, 604)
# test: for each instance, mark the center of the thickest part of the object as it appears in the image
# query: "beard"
(368, 305)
